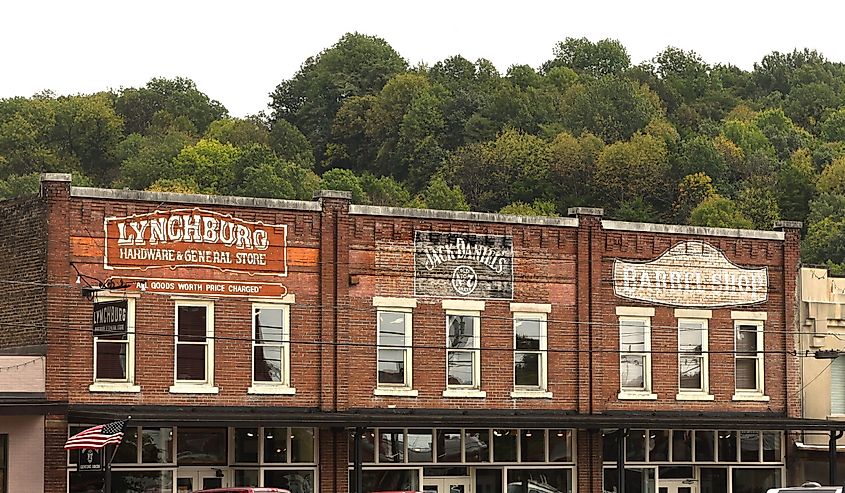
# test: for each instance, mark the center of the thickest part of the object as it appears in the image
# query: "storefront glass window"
(302, 445)
(771, 446)
(533, 445)
(560, 446)
(714, 480)
(142, 481)
(488, 481)
(749, 446)
(681, 446)
(4, 453)
(295, 481)
(545, 480)
(610, 445)
(659, 445)
(275, 445)
(449, 446)
(727, 446)
(391, 445)
(477, 446)
(246, 477)
(420, 446)
(246, 445)
(705, 446)
(157, 445)
(636, 480)
(755, 480)
(635, 446)
(504, 445)
(388, 480)
(127, 451)
(201, 446)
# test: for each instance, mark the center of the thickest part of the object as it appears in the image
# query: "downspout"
(831, 455)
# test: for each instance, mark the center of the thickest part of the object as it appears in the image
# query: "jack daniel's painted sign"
(463, 265)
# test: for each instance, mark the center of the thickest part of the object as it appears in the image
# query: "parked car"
(243, 489)
(808, 487)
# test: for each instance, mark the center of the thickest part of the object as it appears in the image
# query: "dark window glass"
(302, 445)
(488, 481)
(387, 480)
(527, 369)
(275, 445)
(533, 445)
(293, 481)
(749, 445)
(727, 446)
(540, 480)
(391, 445)
(201, 446)
(111, 360)
(771, 446)
(449, 446)
(246, 477)
(190, 362)
(85, 482)
(635, 445)
(268, 364)
(477, 446)
(560, 446)
(681, 446)
(246, 445)
(391, 366)
(127, 451)
(705, 446)
(420, 446)
(755, 480)
(610, 445)
(714, 480)
(636, 480)
(504, 445)
(659, 446)
(367, 446)
(135, 481)
(675, 472)
(192, 323)
(157, 445)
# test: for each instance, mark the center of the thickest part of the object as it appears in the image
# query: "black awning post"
(620, 459)
(357, 458)
(831, 455)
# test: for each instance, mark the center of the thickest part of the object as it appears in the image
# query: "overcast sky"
(238, 51)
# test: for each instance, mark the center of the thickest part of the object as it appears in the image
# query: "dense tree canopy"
(670, 139)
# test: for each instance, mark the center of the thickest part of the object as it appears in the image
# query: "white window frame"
(274, 388)
(538, 312)
(195, 386)
(466, 308)
(644, 315)
(112, 385)
(701, 318)
(756, 319)
(406, 307)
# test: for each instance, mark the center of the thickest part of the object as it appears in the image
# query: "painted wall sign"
(110, 318)
(195, 238)
(692, 274)
(208, 287)
(463, 265)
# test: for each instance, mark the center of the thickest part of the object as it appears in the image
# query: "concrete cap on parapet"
(63, 177)
(585, 211)
(781, 225)
(332, 194)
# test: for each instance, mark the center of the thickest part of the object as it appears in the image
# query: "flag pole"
(109, 459)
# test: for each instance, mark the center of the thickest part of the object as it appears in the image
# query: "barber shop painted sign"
(691, 274)
(463, 265)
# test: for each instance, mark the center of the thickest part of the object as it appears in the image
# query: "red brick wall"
(23, 239)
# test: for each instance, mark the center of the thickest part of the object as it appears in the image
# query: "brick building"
(329, 347)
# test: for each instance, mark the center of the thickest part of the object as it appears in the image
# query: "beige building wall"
(822, 328)
(26, 451)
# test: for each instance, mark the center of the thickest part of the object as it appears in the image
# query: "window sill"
(113, 387)
(636, 396)
(836, 417)
(751, 397)
(694, 396)
(193, 389)
(396, 392)
(473, 393)
(531, 394)
(271, 390)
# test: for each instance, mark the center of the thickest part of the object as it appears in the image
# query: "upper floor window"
(194, 358)
(270, 347)
(749, 356)
(463, 348)
(635, 352)
(114, 345)
(394, 353)
(530, 360)
(693, 361)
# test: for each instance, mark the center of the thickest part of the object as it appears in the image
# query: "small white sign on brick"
(692, 274)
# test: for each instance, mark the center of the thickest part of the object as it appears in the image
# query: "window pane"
(275, 445)
(632, 335)
(659, 446)
(268, 325)
(387, 480)
(391, 366)
(460, 368)
(560, 446)
(419, 446)
(749, 444)
(190, 362)
(133, 481)
(527, 369)
(157, 445)
(638, 480)
(705, 446)
(201, 446)
(690, 368)
(746, 339)
(268, 364)
(246, 445)
(771, 446)
(746, 373)
(192, 324)
(391, 446)
(246, 477)
(528, 333)
(714, 480)
(449, 445)
(391, 327)
(755, 480)
(635, 445)
(504, 445)
(690, 338)
(631, 371)
(727, 446)
(488, 480)
(293, 481)
(533, 445)
(540, 480)
(302, 445)
(111, 360)
(681, 446)
(367, 446)
(477, 446)
(610, 445)
(837, 386)
(127, 451)
(462, 329)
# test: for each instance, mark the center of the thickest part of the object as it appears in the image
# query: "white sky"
(238, 51)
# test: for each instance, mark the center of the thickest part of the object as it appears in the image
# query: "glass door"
(676, 486)
(448, 484)
(195, 479)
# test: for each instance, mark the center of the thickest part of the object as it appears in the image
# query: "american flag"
(97, 437)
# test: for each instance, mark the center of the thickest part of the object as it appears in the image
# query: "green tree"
(385, 191)
(833, 125)
(239, 132)
(692, 190)
(604, 57)
(178, 97)
(536, 208)
(832, 179)
(572, 168)
(344, 179)
(439, 195)
(824, 242)
(638, 168)
(796, 185)
(144, 159)
(760, 205)
(698, 154)
(719, 212)
(290, 145)
(210, 164)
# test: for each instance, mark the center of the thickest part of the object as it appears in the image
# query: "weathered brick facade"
(340, 258)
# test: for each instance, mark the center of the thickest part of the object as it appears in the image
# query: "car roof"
(244, 489)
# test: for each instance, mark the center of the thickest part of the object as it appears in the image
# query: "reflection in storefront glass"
(560, 445)
(658, 445)
(302, 444)
(705, 446)
(419, 446)
(533, 445)
(388, 480)
(681, 445)
(246, 477)
(504, 445)
(201, 446)
(246, 445)
(727, 446)
(293, 481)
(127, 451)
(275, 444)
(476, 445)
(157, 445)
(540, 480)
(449, 446)
(635, 445)
(391, 445)
(771, 446)
(636, 480)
